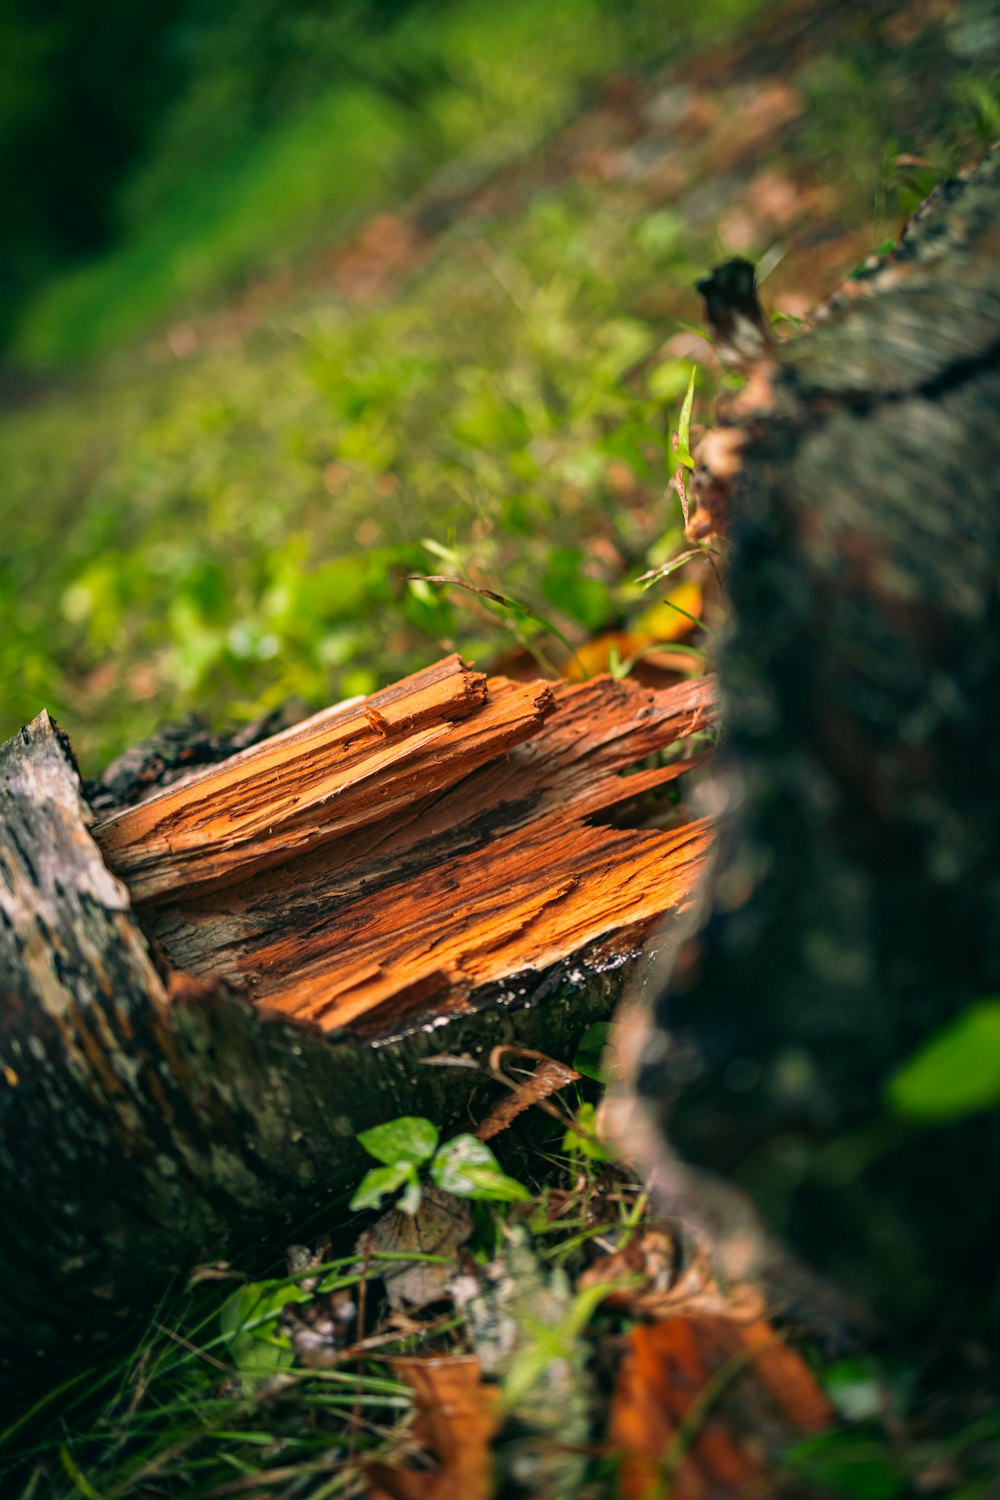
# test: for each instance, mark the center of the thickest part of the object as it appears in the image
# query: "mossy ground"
(227, 515)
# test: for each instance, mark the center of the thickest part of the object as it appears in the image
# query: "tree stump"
(208, 992)
(855, 904)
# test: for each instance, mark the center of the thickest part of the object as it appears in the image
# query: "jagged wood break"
(190, 985)
(387, 859)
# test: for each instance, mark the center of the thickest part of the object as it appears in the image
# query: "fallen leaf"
(547, 1078)
(455, 1420)
(703, 1406)
(651, 1284)
(671, 620)
(439, 1226)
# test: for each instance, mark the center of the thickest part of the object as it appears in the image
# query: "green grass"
(237, 528)
(182, 1417)
(214, 1390)
(240, 528)
(207, 211)
(221, 1395)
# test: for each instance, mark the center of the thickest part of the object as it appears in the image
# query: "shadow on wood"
(855, 906)
(207, 993)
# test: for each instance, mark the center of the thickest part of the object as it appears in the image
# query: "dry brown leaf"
(455, 1421)
(651, 1284)
(548, 1078)
(703, 1405)
(439, 1226)
(787, 1379)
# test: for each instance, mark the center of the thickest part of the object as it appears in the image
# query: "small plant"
(582, 1140)
(681, 443)
(518, 616)
(955, 1073)
(464, 1166)
(249, 1322)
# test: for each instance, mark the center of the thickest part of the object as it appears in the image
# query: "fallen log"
(855, 906)
(209, 991)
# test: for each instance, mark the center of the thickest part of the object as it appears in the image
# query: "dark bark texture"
(854, 907)
(144, 1122)
(152, 1118)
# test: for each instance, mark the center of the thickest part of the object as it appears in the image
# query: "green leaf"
(589, 1059)
(669, 380)
(550, 1343)
(248, 1321)
(380, 1182)
(586, 1146)
(618, 669)
(410, 1201)
(856, 1389)
(257, 1305)
(467, 1167)
(410, 1138)
(77, 1475)
(683, 443)
(957, 1073)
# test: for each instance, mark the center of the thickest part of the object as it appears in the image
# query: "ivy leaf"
(410, 1138)
(467, 1167)
(412, 1195)
(380, 1182)
(957, 1073)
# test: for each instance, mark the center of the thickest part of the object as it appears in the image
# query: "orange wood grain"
(316, 782)
(390, 862)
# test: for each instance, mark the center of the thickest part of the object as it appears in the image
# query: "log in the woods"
(855, 906)
(207, 993)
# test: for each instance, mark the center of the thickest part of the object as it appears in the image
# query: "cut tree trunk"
(855, 906)
(207, 993)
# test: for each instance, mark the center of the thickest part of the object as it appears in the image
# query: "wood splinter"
(210, 991)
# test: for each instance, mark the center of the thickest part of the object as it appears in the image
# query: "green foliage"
(467, 1167)
(956, 1073)
(239, 525)
(249, 1324)
(409, 1138)
(682, 437)
(404, 1145)
(875, 1459)
(220, 226)
(578, 595)
(590, 1056)
(583, 1140)
(550, 1343)
(241, 528)
(853, 1464)
(268, 128)
(162, 1422)
(463, 1166)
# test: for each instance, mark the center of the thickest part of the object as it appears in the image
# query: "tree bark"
(208, 993)
(854, 907)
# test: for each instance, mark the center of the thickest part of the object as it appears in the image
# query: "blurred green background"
(291, 290)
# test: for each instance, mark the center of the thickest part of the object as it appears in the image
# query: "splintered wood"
(383, 861)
